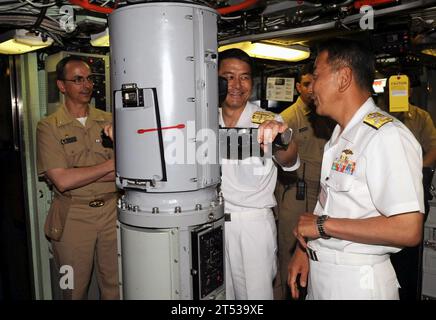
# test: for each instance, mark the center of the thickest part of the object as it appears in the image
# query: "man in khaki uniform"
(407, 262)
(81, 223)
(311, 132)
(421, 124)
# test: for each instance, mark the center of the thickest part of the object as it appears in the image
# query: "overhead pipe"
(372, 3)
(237, 7)
(92, 7)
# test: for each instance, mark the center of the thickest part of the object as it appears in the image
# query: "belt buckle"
(227, 217)
(96, 203)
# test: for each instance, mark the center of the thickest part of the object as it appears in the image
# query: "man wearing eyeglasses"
(81, 223)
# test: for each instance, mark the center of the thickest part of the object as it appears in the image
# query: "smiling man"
(81, 223)
(371, 198)
(250, 231)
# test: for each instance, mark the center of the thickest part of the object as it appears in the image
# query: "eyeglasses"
(79, 80)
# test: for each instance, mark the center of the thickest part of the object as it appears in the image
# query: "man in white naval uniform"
(248, 188)
(371, 199)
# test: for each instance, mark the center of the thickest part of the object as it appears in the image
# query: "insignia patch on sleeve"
(377, 120)
(262, 116)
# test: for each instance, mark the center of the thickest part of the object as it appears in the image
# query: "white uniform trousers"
(350, 280)
(251, 261)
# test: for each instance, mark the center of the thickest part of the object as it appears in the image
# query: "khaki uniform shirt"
(63, 142)
(421, 124)
(310, 148)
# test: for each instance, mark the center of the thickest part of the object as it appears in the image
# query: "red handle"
(179, 126)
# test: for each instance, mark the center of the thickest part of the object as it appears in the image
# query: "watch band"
(320, 224)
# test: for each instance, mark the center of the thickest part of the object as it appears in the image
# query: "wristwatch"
(320, 224)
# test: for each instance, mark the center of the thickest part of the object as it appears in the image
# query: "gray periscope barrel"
(165, 102)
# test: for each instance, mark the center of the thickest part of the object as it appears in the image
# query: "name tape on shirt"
(68, 140)
(322, 195)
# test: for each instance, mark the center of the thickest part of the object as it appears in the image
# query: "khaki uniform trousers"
(288, 211)
(89, 235)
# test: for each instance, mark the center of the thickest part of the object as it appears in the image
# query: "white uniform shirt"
(367, 173)
(249, 184)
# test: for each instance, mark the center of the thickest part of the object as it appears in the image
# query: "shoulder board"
(377, 120)
(261, 116)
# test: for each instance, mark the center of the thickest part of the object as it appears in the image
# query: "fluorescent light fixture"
(270, 51)
(430, 52)
(100, 39)
(22, 41)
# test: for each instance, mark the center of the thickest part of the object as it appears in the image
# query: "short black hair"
(235, 54)
(305, 69)
(60, 67)
(357, 56)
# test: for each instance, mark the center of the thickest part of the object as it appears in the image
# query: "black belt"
(312, 254)
(227, 217)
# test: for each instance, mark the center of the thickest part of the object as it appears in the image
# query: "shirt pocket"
(101, 152)
(74, 153)
(339, 181)
(302, 136)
